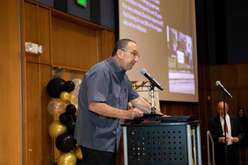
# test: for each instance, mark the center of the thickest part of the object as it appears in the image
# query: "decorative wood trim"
(71, 68)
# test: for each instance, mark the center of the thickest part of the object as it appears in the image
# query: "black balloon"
(65, 142)
(69, 121)
(71, 109)
(65, 118)
(55, 86)
(70, 126)
(74, 117)
(69, 86)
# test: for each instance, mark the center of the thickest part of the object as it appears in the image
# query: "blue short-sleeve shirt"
(104, 82)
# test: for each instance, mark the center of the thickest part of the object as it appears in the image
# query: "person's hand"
(160, 113)
(222, 139)
(228, 139)
(235, 139)
(135, 113)
(157, 111)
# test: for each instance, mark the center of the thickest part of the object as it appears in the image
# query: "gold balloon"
(56, 107)
(56, 128)
(78, 153)
(67, 159)
(74, 100)
(65, 96)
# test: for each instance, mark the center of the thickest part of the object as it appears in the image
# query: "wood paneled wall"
(37, 30)
(74, 46)
(10, 84)
(36, 119)
(68, 43)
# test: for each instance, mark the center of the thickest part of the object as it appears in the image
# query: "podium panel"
(162, 144)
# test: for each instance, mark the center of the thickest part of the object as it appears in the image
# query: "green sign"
(82, 2)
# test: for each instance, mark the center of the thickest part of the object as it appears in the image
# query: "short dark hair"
(121, 44)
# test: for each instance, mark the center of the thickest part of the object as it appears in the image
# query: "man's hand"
(228, 139)
(159, 113)
(135, 113)
(222, 139)
(235, 139)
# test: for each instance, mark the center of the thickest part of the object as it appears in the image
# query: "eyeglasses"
(135, 53)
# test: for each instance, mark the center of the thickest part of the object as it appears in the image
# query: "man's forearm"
(106, 110)
(141, 104)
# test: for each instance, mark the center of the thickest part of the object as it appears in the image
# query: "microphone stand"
(152, 95)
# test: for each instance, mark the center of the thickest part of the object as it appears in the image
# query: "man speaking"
(103, 105)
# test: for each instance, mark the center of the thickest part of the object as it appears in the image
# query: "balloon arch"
(63, 109)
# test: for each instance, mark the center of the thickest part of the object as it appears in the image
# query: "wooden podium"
(162, 143)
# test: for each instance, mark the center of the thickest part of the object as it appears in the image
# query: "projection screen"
(165, 32)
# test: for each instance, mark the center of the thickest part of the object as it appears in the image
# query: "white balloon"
(75, 92)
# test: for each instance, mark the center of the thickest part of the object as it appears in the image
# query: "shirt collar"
(222, 118)
(116, 69)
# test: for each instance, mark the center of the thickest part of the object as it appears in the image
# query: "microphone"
(151, 79)
(218, 84)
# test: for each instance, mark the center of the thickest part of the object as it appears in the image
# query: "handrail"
(210, 140)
